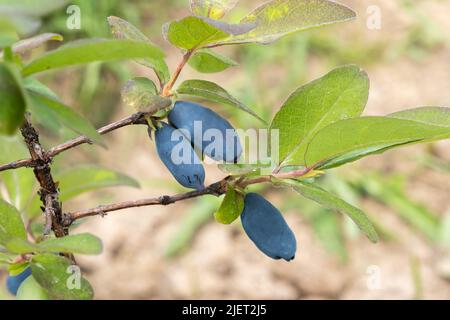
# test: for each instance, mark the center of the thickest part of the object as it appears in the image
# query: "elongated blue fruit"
(13, 282)
(177, 154)
(266, 227)
(208, 131)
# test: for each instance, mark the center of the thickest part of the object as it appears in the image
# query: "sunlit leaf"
(340, 94)
(348, 140)
(193, 32)
(281, 17)
(214, 9)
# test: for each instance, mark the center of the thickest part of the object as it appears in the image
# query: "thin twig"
(18, 164)
(136, 118)
(174, 78)
(215, 189)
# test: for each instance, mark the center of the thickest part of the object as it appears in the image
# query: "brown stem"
(18, 164)
(48, 191)
(137, 118)
(216, 189)
(176, 74)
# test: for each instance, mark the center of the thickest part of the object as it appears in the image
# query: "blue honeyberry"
(266, 227)
(179, 157)
(198, 119)
(13, 282)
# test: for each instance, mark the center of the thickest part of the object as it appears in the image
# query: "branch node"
(166, 200)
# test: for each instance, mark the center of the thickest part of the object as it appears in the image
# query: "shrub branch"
(48, 191)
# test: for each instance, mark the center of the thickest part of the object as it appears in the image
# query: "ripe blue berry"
(266, 227)
(13, 282)
(211, 128)
(179, 157)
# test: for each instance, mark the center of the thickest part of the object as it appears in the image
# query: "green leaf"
(122, 29)
(193, 32)
(330, 201)
(84, 243)
(80, 243)
(15, 269)
(282, 17)
(43, 107)
(214, 9)
(12, 100)
(87, 178)
(21, 246)
(231, 207)
(352, 139)
(36, 86)
(438, 116)
(86, 51)
(11, 224)
(141, 94)
(59, 278)
(31, 290)
(211, 91)
(338, 95)
(208, 61)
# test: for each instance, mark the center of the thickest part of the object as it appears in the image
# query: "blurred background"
(179, 251)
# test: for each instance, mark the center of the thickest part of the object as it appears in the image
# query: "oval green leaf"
(349, 140)
(86, 51)
(12, 100)
(231, 207)
(282, 17)
(340, 94)
(11, 224)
